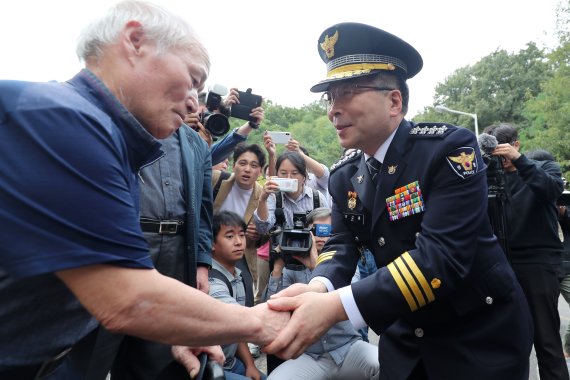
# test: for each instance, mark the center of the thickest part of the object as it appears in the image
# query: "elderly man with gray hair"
(73, 254)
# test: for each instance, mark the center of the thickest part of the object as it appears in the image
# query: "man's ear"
(396, 99)
(133, 39)
(517, 145)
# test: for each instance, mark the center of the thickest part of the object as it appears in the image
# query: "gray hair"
(318, 213)
(165, 29)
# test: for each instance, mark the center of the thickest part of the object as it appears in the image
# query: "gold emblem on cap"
(352, 200)
(328, 44)
(360, 178)
(392, 169)
(436, 283)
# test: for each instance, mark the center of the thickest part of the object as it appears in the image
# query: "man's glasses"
(347, 91)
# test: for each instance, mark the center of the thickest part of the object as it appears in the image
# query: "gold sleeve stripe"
(411, 281)
(418, 273)
(324, 257)
(403, 287)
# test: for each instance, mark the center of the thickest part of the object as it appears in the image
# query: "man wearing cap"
(444, 299)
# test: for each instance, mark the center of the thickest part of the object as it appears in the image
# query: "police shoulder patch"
(350, 157)
(463, 161)
(430, 130)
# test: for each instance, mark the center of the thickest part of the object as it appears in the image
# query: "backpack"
(246, 279)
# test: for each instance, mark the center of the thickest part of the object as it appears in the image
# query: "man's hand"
(252, 372)
(251, 232)
(311, 260)
(508, 151)
(313, 315)
(231, 99)
(258, 114)
(272, 322)
(188, 357)
(202, 283)
(193, 121)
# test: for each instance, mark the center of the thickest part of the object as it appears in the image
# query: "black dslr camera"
(214, 118)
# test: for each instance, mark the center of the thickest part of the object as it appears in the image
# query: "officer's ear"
(395, 97)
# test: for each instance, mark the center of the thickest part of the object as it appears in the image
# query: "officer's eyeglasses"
(347, 91)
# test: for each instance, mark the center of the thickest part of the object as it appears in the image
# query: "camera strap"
(280, 215)
(245, 278)
(223, 176)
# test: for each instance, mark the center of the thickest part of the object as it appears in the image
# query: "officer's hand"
(313, 315)
(299, 288)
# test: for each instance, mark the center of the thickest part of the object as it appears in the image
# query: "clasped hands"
(313, 313)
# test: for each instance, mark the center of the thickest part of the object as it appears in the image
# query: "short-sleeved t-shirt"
(69, 198)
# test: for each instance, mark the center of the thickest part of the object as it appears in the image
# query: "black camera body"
(215, 118)
(247, 102)
(296, 241)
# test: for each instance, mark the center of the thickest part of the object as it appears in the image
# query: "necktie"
(374, 167)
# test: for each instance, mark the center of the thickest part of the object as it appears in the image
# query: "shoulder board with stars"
(350, 157)
(430, 130)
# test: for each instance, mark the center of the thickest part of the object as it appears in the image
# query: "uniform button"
(381, 241)
(489, 300)
(167, 183)
(419, 332)
(417, 234)
(356, 239)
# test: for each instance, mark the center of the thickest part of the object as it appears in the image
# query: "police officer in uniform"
(444, 299)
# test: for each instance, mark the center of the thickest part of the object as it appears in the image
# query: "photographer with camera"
(533, 188)
(340, 353)
(211, 120)
(286, 192)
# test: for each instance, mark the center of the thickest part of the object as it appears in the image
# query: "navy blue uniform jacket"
(444, 292)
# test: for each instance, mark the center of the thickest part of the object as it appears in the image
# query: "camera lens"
(217, 124)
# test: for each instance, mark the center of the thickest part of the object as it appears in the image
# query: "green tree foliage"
(495, 88)
(309, 125)
(549, 112)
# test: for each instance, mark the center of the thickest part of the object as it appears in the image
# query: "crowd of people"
(141, 245)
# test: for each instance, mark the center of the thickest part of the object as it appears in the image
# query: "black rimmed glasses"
(347, 91)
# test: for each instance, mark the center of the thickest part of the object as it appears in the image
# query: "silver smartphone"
(280, 137)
